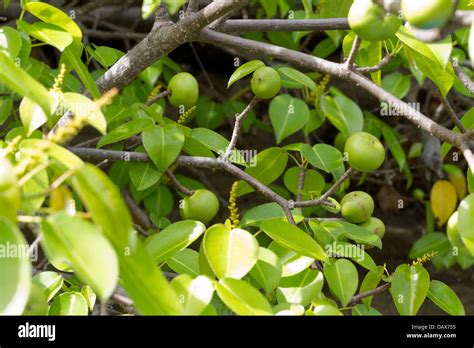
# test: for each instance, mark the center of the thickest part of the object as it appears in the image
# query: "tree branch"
(177, 185)
(349, 64)
(466, 80)
(452, 115)
(242, 25)
(375, 291)
(379, 66)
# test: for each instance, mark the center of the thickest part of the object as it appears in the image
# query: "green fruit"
(339, 141)
(357, 207)
(371, 22)
(9, 191)
(364, 151)
(418, 194)
(452, 231)
(427, 14)
(266, 83)
(374, 225)
(184, 90)
(202, 206)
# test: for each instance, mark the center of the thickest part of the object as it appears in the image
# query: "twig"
(301, 179)
(140, 216)
(328, 193)
(177, 185)
(466, 80)
(236, 132)
(158, 97)
(449, 110)
(369, 293)
(353, 53)
(241, 25)
(379, 66)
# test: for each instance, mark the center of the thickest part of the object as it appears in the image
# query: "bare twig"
(449, 110)
(466, 80)
(236, 132)
(139, 215)
(379, 66)
(353, 53)
(301, 179)
(158, 97)
(369, 293)
(177, 185)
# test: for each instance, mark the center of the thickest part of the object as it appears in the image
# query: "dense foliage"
(105, 204)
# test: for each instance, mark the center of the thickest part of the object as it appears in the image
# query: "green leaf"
(81, 69)
(143, 175)
(269, 211)
(69, 303)
(148, 7)
(31, 114)
(410, 286)
(145, 284)
(33, 192)
(313, 181)
(51, 283)
(125, 131)
(364, 310)
(298, 77)
(242, 298)
(231, 253)
(267, 271)
(370, 282)
(195, 294)
(344, 114)
(6, 107)
(293, 238)
(270, 164)
(354, 232)
(106, 56)
(342, 278)
(15, 270)
(23, 84)
(301, 288)
(466, 221)
(336, 9)
(445, 298)
(288, 115)
(185, 261)
(89, 296)
(174, 238)
(104, 202)
(10, 42)
(353, 252)
(397, 84)
(37, 302)
(430, 242)
(292, 263)
(47, 33)
(82, 106)
(82, 245)
(163, 144)
(323, 156)
(244, 70)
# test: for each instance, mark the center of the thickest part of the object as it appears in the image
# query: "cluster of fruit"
(372, 23)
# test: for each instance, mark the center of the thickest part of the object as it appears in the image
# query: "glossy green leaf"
(298, 77)
(6, 106)
(352, 251)
(300, 288)
(82, 245)
(143, 175)
(267, 271)
(163, 144)
(69, 303)
(370, 282)
(292, 263)
(23, 84)
(37, 302)
(409, 289)
(268, 211)
(89, 296)
(352, 231)
(242, 298)
(51, 282)
(105, 203)
(31, 114)
(244, 70)
(466, 221)
(47, 33)
(231, 253)
(33, 192)
(270, 164)
(15, 270)
(125, 131)
(194, 294)
(342, 278)
(185, 261)
(293, 238)
(323, 156)
(287, 115)
(82, 71)
(82, 106)
(344, 114)
(10, 42)
(364, 310)
(397, 84)
(445, 298)
(148, 7)
(174, 238)
(313, 181)
(430, 242)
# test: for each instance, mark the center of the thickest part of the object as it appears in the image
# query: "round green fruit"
(339, 141)
(374, 225)
(265, 83)
(418, 194)
(364, 152)
(371, 23)
(357, 207)
(184, 90)
(427, 14)
(202, 206)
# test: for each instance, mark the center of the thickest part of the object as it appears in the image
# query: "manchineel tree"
(105, 202)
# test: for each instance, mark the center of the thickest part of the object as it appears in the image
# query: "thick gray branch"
(241, 25)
